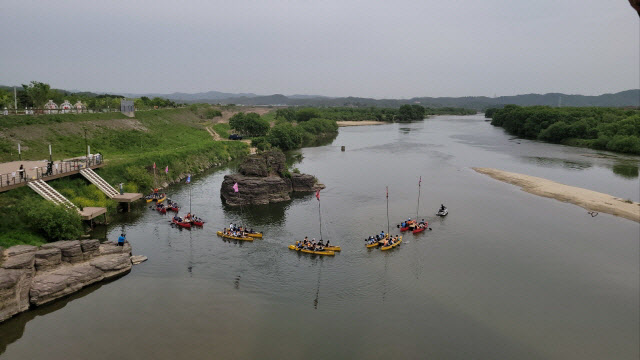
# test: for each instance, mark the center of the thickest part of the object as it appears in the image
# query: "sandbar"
(360, 123)
(588, 199)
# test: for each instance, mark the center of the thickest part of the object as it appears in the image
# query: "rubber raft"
(307, 251)
(383, 248)
(257, 235)
(243, 238)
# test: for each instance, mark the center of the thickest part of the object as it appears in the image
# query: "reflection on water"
(558, 162)
(268, 214)
(626, 170)
(505, 275)
(13, 329)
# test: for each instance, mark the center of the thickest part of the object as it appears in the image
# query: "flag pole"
(418, 207)
(388, 228)
(320, 216)
(319, 213)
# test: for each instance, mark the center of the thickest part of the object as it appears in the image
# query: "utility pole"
(86, 146)
(15, 101)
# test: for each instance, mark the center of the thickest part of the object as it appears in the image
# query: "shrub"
(285, 136)
(211, 113)
(306, 114)
(54, 222)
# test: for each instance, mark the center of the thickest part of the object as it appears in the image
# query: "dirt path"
(588, 199)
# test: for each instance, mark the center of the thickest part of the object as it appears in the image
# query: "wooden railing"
(45, 172)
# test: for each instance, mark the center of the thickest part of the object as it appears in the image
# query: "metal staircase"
(96, 180)
(50, 193)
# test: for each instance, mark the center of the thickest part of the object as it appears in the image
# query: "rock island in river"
(263, 178)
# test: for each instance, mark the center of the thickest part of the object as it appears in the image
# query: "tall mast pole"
(320, 216)
(388, 228)
(418, 207)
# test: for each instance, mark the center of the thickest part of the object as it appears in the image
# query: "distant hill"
(623, 98)
(209, 95)
(620, 99)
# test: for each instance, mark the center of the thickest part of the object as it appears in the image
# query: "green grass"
(222, 129)
(174, 138)
(12, 121)
(17, 237)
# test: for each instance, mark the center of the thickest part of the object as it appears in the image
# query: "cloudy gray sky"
(376, 49)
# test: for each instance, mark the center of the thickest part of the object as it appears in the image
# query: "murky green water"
(506, 275)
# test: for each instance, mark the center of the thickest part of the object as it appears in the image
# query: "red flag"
(318, 195)
(387, 192)
(420, 181)
(154, 165)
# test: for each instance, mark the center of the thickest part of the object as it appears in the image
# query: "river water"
(506, 275)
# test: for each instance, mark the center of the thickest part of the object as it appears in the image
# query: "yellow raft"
(246, 238)
(256, 235)
(392, 245)
(161, 199)
(378, 242)
(328, 248)
(325, 252)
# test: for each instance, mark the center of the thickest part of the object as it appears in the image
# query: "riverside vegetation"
(176, 138)
(594, 127)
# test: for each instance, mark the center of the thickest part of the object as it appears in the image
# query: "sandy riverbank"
(360, 123)
(588, 199)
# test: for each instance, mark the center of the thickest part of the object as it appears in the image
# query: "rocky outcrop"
(71, 250)
(36, 276)
(47, 259)
(263, 179)
(51, 285)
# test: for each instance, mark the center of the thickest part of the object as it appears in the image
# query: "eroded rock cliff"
(36, 276)
(262, 179)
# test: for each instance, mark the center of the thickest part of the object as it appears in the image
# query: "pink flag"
(154, 165)
(318, 194)
(166, 170)
(235, 187)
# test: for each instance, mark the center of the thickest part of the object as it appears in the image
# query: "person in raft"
(442, 208)
(121, 239)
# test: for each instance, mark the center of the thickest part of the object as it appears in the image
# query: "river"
(506, 274)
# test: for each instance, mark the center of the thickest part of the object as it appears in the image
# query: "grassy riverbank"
(176, 138)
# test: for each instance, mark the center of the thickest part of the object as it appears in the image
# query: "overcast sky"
(381, 49)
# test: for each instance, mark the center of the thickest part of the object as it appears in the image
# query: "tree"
(6, 99)
(306, 114)
(286, 114)
(250, 124)
(38, 92)
(237, 121)
(285, 136)
(254, 125)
